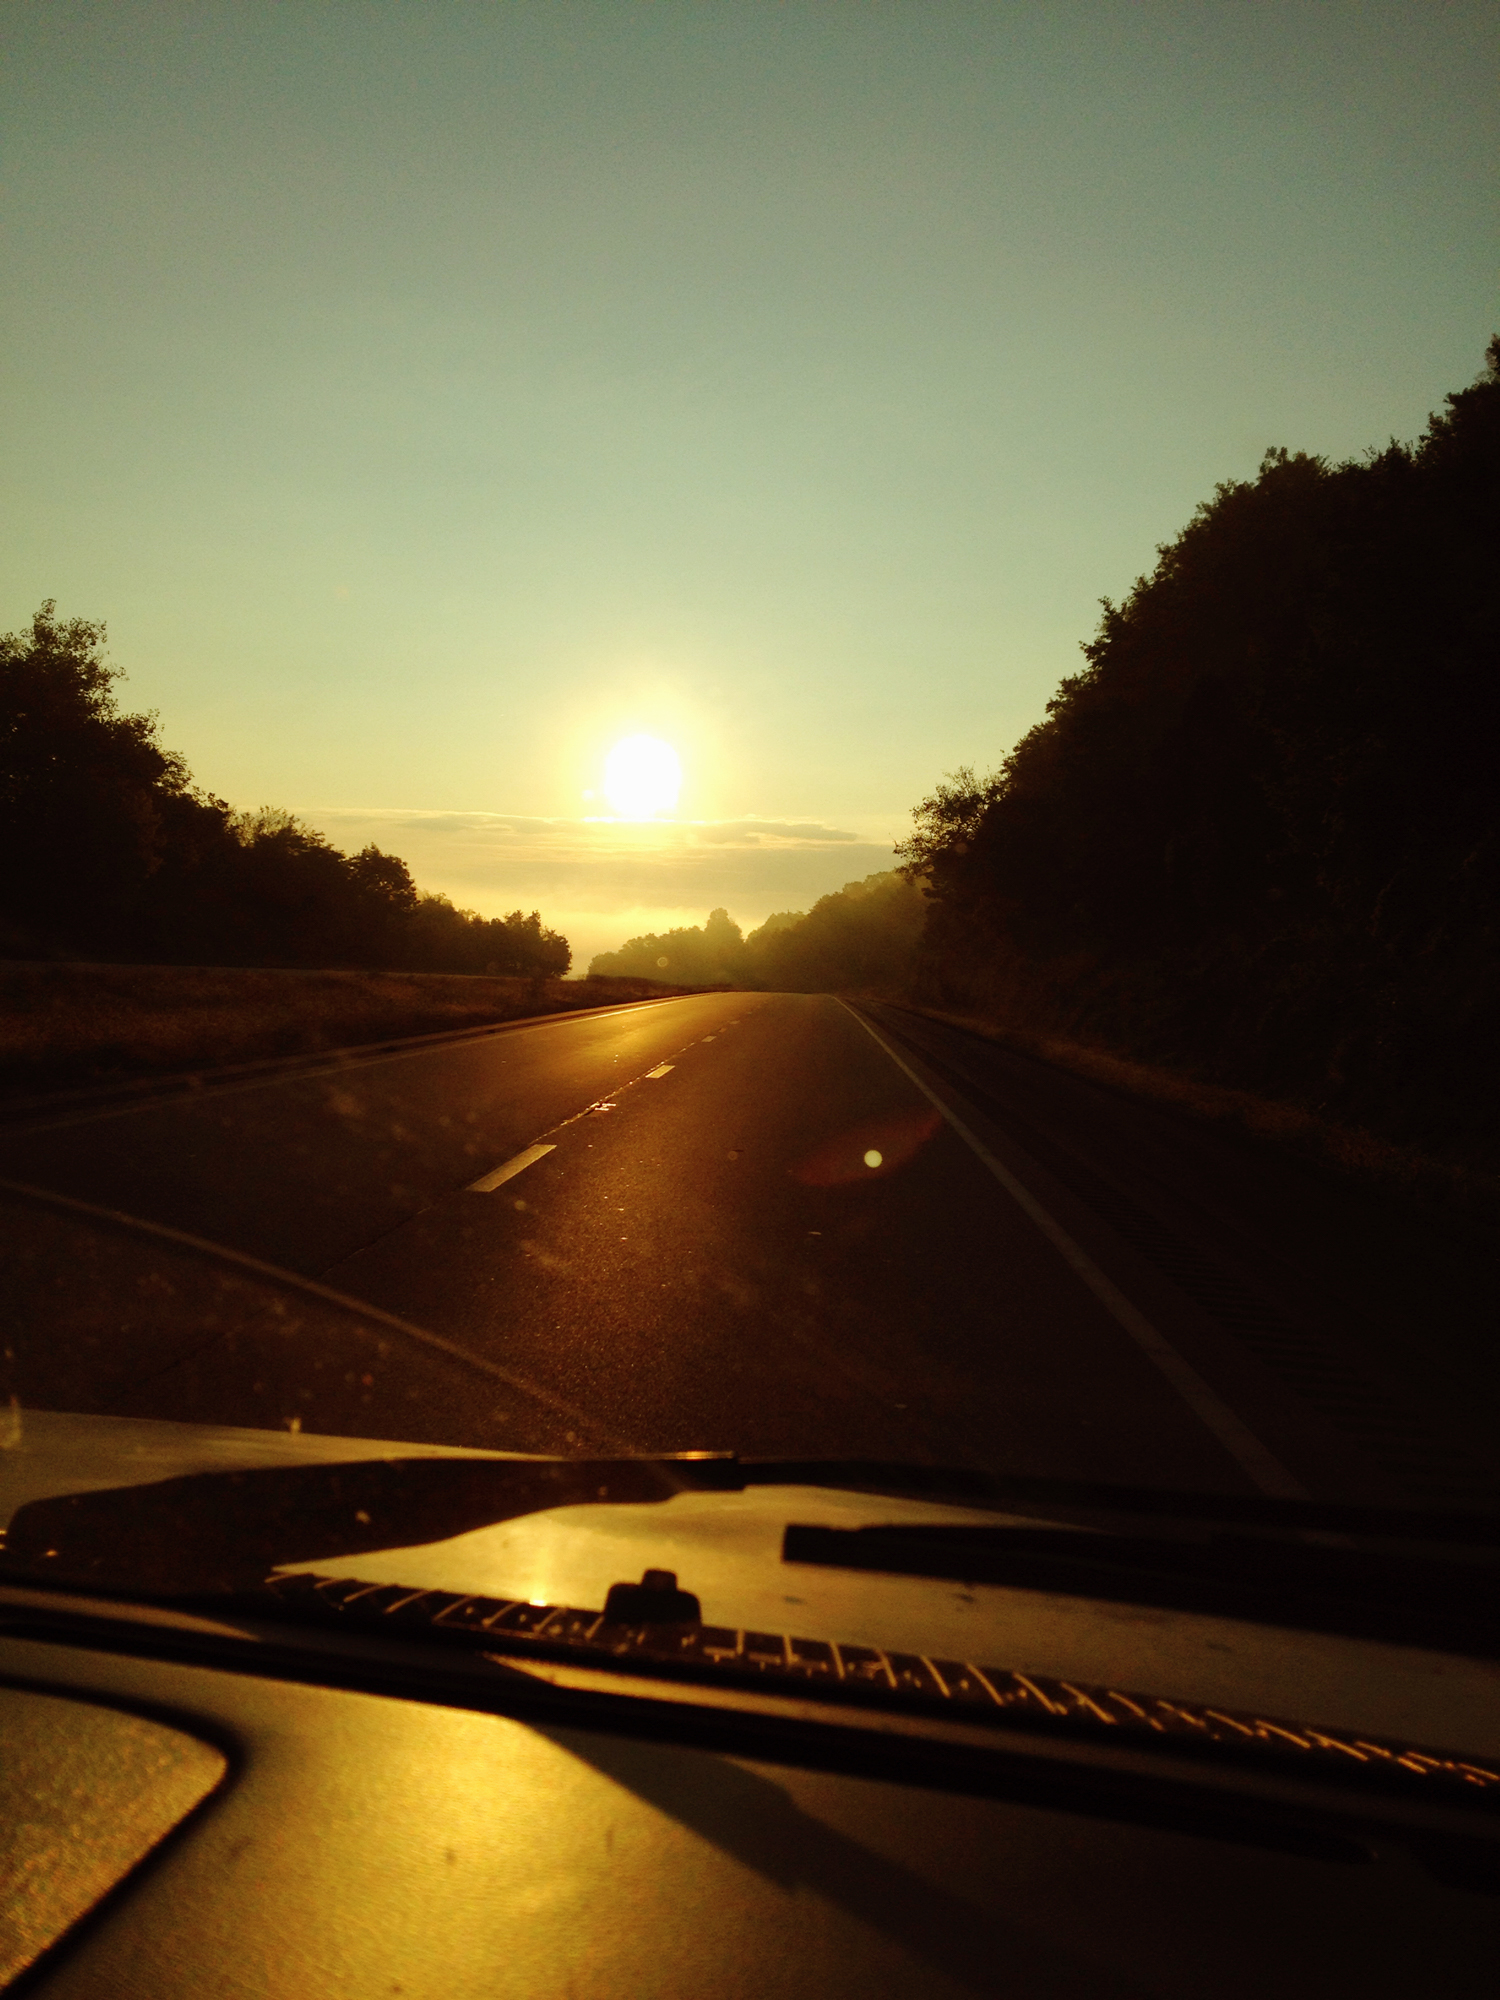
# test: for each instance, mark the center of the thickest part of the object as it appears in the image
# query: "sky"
(427, 396)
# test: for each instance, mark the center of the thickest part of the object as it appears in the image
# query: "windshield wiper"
(217, 1531)
(213, 1531)
(1409, 1586)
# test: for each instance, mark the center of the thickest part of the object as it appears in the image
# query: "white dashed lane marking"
(518, 1165)
(498, 1177)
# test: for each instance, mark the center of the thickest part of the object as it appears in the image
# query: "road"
(771, 1223)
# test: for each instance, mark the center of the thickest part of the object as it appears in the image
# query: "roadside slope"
(69, 1026)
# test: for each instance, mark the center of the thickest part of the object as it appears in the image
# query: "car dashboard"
(195, 1805)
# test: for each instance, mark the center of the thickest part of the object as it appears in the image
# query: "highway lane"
(767, 1234)
(1370, 1315)
(305, 1167)
(711, 1263)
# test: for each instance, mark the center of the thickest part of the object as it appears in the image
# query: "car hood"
(726, 1547)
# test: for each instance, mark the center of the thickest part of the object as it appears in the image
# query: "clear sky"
(429, 395)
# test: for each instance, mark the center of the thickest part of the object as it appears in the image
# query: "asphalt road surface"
(770, 1223)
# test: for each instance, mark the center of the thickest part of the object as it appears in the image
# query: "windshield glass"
(584, 875)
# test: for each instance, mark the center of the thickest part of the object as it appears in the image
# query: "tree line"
(861, 937)
(108, 850)
(1259, 832)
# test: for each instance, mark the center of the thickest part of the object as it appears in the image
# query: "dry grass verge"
(1403, 1172)
(75, 1026)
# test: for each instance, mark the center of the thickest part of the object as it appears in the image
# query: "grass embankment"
(78, 1026)
(1463, 1189)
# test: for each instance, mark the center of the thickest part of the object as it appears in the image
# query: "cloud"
(756, 832)
(595, 833)
(602, 880)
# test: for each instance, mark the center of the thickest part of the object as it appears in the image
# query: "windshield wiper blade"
(1023, 1493)
(1444, 1596)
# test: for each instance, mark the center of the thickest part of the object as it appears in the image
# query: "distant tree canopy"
(861, 937)
(108, 851)
(1260, 830)
(710, 954)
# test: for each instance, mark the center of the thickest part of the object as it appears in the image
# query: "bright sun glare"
(642, 777)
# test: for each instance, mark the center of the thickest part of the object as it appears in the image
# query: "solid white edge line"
(489, 1182)
(1261, 1465)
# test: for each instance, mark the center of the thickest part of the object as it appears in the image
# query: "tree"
(85, 791)
(712, 954)
(1258, 832)
(863, 937)
(106, 848)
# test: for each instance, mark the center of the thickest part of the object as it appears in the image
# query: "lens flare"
(877, 1146)
(642, 777)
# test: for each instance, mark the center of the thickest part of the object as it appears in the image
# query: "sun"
(642, 777)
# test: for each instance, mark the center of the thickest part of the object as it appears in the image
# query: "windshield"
(609, 891)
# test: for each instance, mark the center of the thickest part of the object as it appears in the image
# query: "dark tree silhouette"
(1258, 832)
(863, 936)
(86, 793)
(712, 954)
(107, 851)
